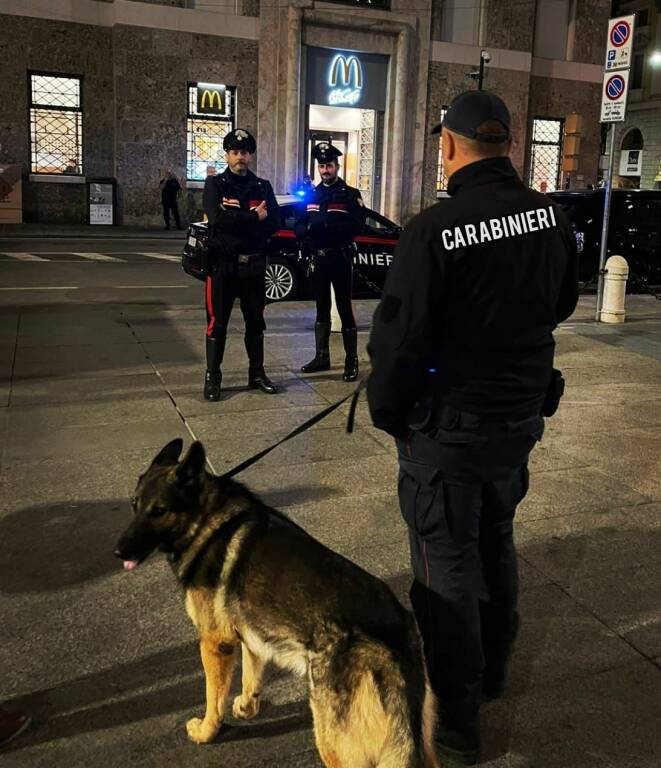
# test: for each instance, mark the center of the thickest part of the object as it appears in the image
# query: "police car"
(634, 231)
(286, 270)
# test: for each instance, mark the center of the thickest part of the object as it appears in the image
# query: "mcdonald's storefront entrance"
(345, 104)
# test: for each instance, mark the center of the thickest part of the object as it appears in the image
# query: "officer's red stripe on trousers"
(212, 322)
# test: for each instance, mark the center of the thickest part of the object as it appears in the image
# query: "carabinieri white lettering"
(496, 229)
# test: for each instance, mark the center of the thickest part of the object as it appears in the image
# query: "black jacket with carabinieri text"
(333, 216)
(477, 285)
(234, 228)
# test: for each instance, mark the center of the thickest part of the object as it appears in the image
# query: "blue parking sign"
(611, 55)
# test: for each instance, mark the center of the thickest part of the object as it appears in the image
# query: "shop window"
(211, 116)
(56, 124)
(463, 21)
(441, 176)
(546, 154)
(637, 71)
(552, 29)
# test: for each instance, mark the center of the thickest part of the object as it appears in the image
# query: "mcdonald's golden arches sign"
(211, 99)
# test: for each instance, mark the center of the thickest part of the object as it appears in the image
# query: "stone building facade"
(137, 60)
(641, 131)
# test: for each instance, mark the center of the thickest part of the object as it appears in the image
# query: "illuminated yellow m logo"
(342, 69)
(211, 99)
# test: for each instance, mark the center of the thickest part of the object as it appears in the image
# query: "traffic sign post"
(614, 96)
(619, 43)
(613, 110)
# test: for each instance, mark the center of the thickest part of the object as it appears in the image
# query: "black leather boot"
(257, 378)
(321, 360)
(497, 655)
(213, 376)
(350, 339)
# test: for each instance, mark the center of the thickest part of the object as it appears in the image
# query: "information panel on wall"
(101, 201)
(346, 78)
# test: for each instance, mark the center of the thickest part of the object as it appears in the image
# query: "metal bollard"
(615, 288)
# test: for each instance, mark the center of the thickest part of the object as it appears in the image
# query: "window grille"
(441, 177)
(546, 154)
(205, 134)
(366, 154)
(56, 124)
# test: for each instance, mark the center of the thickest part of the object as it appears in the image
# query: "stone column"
(293, 96)
(394, 207)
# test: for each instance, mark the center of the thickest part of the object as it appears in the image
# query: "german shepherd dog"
(253, 578)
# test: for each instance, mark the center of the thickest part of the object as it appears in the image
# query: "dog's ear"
(192, 465)
(170, 453)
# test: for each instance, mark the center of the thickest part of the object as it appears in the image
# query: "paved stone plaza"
(95, 381)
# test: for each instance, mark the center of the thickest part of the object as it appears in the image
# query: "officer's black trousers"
(336, 268)
(458, 492)
(221, 291)
(171, 206)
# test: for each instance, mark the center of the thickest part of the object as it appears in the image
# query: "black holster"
(554, 393)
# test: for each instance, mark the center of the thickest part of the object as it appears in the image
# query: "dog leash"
(353, 396)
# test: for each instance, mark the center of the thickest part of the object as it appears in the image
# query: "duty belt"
(246, 258)
(448, 417)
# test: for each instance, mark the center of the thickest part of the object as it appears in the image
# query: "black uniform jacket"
(229, 202)
(477, 285)
(333, 215)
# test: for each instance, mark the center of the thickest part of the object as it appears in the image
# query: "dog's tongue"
(129, 565)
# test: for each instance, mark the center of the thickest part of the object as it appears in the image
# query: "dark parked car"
(286, 271)
(634, 231)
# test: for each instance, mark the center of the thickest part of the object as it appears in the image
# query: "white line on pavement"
(96, 256)
(92, 288)
(162, 256)
(23, 256)
(43, 288)
(138, 287)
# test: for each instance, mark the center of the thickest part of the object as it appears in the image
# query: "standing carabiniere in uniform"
(334, 215)
(242, 213)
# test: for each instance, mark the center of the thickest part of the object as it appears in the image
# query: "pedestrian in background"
(242, 213)
(462, 374)
(170, 189)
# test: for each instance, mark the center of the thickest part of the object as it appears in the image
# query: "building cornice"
(516, 61)
(136, 14)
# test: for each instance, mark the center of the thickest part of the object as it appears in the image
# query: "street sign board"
(631, 162)
(614, 96)
(619, 43)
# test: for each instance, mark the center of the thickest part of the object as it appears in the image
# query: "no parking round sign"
(619, 43)
(614, 96)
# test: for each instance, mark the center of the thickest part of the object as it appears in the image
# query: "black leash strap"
(299, 430)
(354, 404)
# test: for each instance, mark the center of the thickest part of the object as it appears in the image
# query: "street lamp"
(655, 59)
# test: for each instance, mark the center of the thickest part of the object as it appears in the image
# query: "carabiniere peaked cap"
(325, 152)
(240, 139)
(470, 110)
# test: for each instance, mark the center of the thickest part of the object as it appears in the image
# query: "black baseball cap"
(470, 110)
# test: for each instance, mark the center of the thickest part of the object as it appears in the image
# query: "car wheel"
(281, 280)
